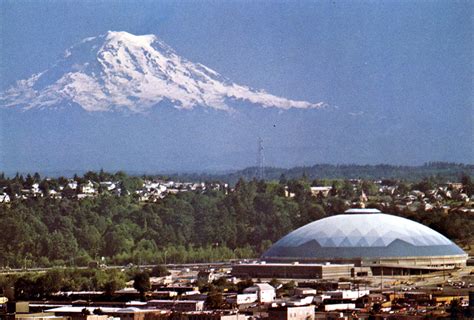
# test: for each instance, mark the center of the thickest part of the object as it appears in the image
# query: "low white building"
(293, 313)
(347, 294)
(245, 298)
(305, 291)
(339, 306)
(321, 190)
(265, 292)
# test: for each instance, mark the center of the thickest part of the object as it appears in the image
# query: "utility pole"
(381, 279)
(444, 276)
(260, 160)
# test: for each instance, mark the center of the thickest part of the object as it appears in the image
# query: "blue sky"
(345, 52)
(407, 62)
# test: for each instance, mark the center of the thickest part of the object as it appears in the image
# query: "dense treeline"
(37, 285)
(186, 227)
(42, 285)
(189, 226)
(442, 171)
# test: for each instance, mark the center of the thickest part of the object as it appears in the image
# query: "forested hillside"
(189, 226)
(442, 171)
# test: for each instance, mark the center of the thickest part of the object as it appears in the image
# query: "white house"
(72, 184)
(108, 185)
(321, 190)
(4, 198)
(35, 188)
(88, 188)
(54, 194)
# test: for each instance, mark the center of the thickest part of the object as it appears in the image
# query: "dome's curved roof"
(362, 234)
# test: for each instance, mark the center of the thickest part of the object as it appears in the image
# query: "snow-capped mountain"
(122, 71)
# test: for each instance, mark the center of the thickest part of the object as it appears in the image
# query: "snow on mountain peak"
(119, 70)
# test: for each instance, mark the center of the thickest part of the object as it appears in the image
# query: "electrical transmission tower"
(260, 160)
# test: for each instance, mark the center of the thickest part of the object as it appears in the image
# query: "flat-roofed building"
(81, 313)
(292, 270)
(177, 305)
(265, 292)
(47, 316)
(292, 313)
(208, 315)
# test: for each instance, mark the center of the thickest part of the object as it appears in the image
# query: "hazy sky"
(406, 61)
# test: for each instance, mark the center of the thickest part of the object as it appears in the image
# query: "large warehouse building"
(372, 241)
(293, 270)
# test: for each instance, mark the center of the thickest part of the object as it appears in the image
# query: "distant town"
(425, 195)
(80, 188)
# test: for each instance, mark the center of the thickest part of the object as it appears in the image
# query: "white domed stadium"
(360, 242)
(367, 237)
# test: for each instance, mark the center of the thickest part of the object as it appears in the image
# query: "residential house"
(4, 198)
(72, 184)
(321, 190)
(108, 185)
(88, 188)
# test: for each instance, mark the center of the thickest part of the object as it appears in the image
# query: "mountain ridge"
(122, 71)
(441, 171)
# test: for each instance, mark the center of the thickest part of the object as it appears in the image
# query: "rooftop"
(357, 234)
(361, 211)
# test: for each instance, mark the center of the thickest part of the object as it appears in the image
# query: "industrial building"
(290, 312)
(292, 270)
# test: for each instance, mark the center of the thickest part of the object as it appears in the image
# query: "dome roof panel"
(362, 234)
